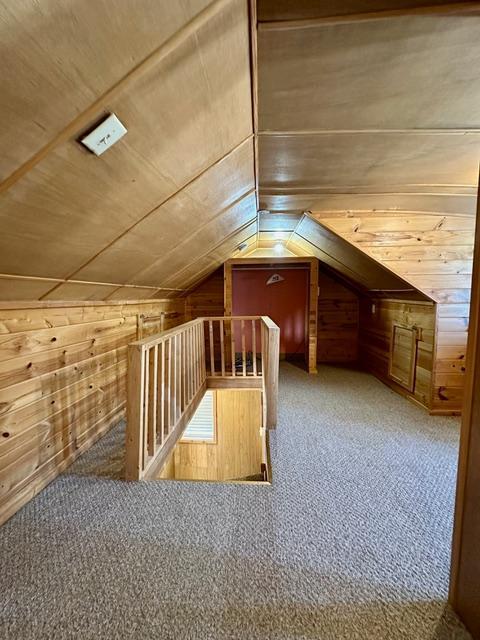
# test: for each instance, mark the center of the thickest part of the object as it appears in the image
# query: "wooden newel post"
(135, 398)
(271, 358)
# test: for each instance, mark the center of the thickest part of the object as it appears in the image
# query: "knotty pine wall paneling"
(377, 317)
(62, 384)
(338, 317)
(450, 357)
(237, 450)
(433, 253)
(207, 298)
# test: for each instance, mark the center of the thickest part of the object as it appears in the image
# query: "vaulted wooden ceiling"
(368, 112)
(169, 201)
(362, 114)
(369, 122)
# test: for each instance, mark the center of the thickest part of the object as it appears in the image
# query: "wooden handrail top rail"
(151, 341)
(217, 318)
(269, 323)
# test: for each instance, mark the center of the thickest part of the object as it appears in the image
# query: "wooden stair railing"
(168, 374)
(166, 379)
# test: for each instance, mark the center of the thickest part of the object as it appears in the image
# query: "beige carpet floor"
(352, 541)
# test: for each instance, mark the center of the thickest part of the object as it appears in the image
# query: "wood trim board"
(464, 595)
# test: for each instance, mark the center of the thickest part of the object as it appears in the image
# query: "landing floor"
(352, 540)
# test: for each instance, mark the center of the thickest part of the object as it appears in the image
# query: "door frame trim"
(465, 566)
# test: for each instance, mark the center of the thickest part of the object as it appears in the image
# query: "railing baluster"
(203, 370)
(179, 384)
(184, 372)
(244, 351)
(169, 394)
(212, 356)
(174, 380)
(146, 430)
(263, 354)
(232, 340)
(195, 346)
(203, 347)
(204, 353)
(199, 349)
(186, 375)
(177, 370)
(152, 423)
(162, 393)
(191, 363)
(199, 355)
(195, 360)
(188, 365)
(254, 347)
(222, 348)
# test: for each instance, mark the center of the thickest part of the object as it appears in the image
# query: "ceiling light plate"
(105, 135)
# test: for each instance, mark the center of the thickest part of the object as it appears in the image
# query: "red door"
(281, 294)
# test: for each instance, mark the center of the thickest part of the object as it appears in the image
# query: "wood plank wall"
(207, 299)
(338, 321)
(450, 357)
(375, 333)
(237, 451)
(62, 385)
(434, 254)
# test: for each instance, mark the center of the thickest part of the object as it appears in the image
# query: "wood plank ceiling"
(370, 123)
(173, 198)
(367, 121)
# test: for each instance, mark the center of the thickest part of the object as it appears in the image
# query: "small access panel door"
(403, 356)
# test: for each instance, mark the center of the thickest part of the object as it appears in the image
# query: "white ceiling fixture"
(105, 135)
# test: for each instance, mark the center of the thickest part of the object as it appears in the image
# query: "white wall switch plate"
(105, 135)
